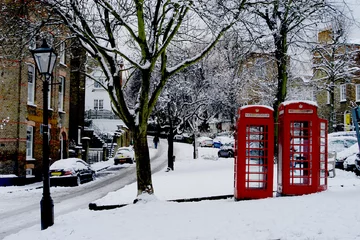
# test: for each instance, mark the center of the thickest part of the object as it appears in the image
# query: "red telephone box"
(302, 139)
(254, 158)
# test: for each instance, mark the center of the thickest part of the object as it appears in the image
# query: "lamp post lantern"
(45, 59)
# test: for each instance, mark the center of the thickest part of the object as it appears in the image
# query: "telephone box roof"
(300, 101)
(264, 106)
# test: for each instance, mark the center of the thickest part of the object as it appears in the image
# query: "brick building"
(341, 56)
(21, 95)
(21, 104)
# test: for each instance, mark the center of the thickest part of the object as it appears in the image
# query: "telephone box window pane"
(300, 152)
(256, 156)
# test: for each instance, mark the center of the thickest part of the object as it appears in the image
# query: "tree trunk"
(171, 148)
(281, 62)
(332, 120)
(170, 141)
(143, 167)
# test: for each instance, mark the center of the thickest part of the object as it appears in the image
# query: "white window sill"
(31, 104)
(63, 64)
(342, 101)
(30, 159)
(61, 111)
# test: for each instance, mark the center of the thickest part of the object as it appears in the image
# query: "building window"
(260, 68)
(29, 142)
(61, 93)
(98, 104)
(327, 97)
(32, 43)
(342, 92)
(358, 92)
(97, 83)
(31, 84)
(62, 53)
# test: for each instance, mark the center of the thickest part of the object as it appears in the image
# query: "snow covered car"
(221, 140)
(344, 154)
(204, 142)
(178, 138)
(357, 164)
(227, 150)
(70, 172)
(124, 155)
(338, 144)
(349, 163)
(342, 134)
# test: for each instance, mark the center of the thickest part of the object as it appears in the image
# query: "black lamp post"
(45, 59)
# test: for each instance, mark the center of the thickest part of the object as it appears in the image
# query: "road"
(21, 208)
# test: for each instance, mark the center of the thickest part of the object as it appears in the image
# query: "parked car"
(124, 155)
(357, 164)
(343, 133)
(338, 144)
(204, 142)
(349, 163)
(344, 154)
(70, 172)
(178, 138)
(221, 140)
(227, 150)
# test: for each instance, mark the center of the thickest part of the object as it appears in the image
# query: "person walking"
(156, 141)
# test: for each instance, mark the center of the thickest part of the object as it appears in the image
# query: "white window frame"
(97, 83)
(49, 94)
(29, 142)
(260, 68)
(61, 93)
(31, 85)
(343, 93)
(98, 104)
(62, 52)
(101, 104)
(327, 97)
(357, 89)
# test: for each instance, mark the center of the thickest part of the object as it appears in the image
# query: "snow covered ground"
(332, 214)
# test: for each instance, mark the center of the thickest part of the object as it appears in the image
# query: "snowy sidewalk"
(331, 214)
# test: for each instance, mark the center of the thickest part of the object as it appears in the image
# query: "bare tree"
(286, 20)
(334, 62)
(138, 34)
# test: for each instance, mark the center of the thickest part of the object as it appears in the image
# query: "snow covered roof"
(300, 101)
(65, 163)
(247, 106)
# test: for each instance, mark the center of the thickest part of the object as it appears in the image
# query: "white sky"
(327, 215)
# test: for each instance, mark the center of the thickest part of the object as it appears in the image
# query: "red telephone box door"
(301, 152)
(255, 159)
(302, 149)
